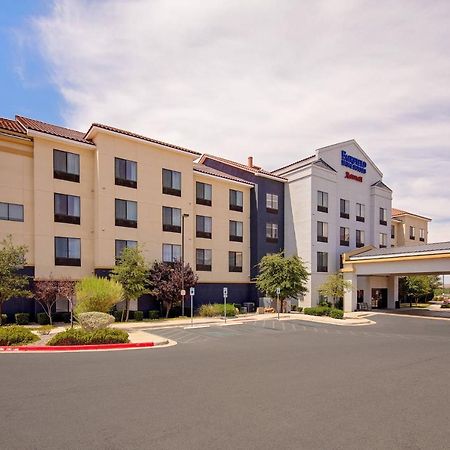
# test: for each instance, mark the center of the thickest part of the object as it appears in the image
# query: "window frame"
(233, 257)
(203, 266)
(127, 182)
(8, 213)
(121, 222)
(235, 195)
(344, 213)
(412, 233)
(322, 197)
(322, 231)
(272, 200)
(170, 227)
(320, 267)
(344, 236)
(173, 260)
(383, 216)
(382, 238)
(360, 242)
(360, 212)
(127, 245)
(203, 200)
(422, 234)
(66, 218)
(67, 260)
(201, 233)
(235, 237)
(170, 190)
(65, 174)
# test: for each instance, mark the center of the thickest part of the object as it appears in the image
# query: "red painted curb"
(69, 348)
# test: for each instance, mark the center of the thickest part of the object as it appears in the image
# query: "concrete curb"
(330, 321)
(80, 348)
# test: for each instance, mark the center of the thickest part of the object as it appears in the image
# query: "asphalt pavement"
(262, 385)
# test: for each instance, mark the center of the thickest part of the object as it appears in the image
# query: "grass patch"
(16, 335)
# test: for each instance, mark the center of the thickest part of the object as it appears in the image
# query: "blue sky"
(25, 78)
(275, 79)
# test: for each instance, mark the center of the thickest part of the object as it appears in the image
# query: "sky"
(275, 79)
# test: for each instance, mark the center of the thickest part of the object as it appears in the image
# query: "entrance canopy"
(427, 259)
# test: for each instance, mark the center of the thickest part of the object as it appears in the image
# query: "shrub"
(14, 335)
(324, 303)
(3, 319)
(94, 320)
(299, 309)
(62, 317)
(138, 316)
(117, 315)
(22, 318)
(97, 294)
(216, 309)
(78, 336)
(153, 314)
(324, 311)
(42, 319)
(339, 304)
(336, 313)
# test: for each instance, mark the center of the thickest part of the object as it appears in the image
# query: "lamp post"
(183, 292)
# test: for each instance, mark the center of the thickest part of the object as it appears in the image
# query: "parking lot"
(269, 384)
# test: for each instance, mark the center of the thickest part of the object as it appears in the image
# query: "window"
(322, 201)
(122, 244)
(236, 231)
(126, 213)
(344, 234)
(392, 231)
(204, 227)
(272, 203)
(322, 262)
(171, 253)
(67, 208)
(66, 166)
(235, 261)
(322, 232)
(203, 259)
(203, 194)
(383, 216)
(67, 251)
(383, 240)
(126, 172)
(172, 219)
(11, 211)
(360, 238)
(345, 209)
(271, 232)
(360, 212)
(412, 233)
(236, 200)
(421, 235)
(171, 182)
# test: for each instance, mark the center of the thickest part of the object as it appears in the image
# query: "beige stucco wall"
(16, 186)
(220, 243)
(402, 230)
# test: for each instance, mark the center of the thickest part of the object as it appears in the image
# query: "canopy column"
(350, 296)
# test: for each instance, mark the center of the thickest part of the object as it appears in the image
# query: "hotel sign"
(353, 163)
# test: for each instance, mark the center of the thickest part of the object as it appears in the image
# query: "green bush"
(138, 316)
(117, 315)
(216, 309)
(299, 309)
(3, 319)
(339, 304)
(153, 314)
(97, 294)
(94, 320)
(336, 313)
(15, 335)
(78, 336)
(42, 319)
(324, 311)
(22, 318)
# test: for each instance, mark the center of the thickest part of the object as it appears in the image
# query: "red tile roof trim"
(11, 125)
(139, 136)
(54, 130)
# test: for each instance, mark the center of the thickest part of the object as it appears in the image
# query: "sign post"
(225, 295)
(278, 301)
(192, 293)
(183, 293)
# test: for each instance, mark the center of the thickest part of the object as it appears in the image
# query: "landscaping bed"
(329, 311)
(78, 336)
(16, 335)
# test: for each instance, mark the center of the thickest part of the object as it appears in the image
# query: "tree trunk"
(167, 310)
(127, 309)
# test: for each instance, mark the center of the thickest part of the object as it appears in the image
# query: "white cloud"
(275, 79)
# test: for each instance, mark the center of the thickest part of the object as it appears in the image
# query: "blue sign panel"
(353, 163)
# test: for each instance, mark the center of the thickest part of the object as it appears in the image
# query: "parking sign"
(192, 291)
(225, 292)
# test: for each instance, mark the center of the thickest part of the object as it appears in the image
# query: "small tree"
(46, 294)
(66, 289)
(166, 282)
(287, 274)
(12, 283)
(97, 294)
(420, 285)
(132, 273)
(335, 287)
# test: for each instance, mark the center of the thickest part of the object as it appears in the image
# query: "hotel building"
(77, 199)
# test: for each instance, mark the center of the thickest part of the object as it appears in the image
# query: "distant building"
(408, 228)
